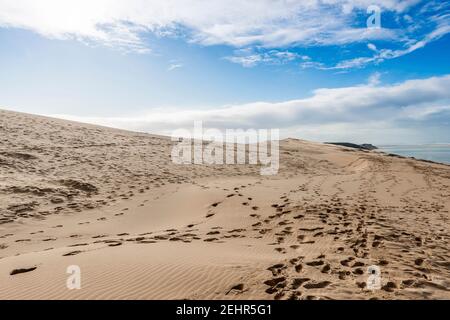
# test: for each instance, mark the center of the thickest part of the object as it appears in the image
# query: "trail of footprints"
(356, 230)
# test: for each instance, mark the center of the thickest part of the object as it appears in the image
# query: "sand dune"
(141, 227)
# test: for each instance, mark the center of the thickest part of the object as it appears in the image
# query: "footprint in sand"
(298, 267)
(99, 236)
(358, 271)
(343, 274)
(389, 287)
(280, 250)
(315, 263)
(77, 244)
(22, 270)
(326, 268)
(276, 269)
(317, 285)
(297, 282)
(72, 253)
(274, 281)
(239, 288)
(49, 239)
(276, 285)
(115, 244)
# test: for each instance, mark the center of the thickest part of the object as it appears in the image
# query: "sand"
(140, 227)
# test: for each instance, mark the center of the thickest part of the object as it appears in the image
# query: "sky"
(364, 71)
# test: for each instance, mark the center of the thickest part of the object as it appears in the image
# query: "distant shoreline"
(435, 153)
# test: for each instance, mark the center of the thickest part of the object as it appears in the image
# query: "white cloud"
(250, 58)
(360, 106)
(312, 64)
(422, 112)
(174, 66)
(234, 22)
(247, 61)
(372, 47)
(383, 54)
(238, 23)
(374, 79)
(441, 29)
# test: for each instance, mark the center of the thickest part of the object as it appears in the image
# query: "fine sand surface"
(140, 227)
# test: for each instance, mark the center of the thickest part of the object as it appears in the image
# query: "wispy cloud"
(387, 54)
(252, 57)
(174, 66)
(439, 21)
(374, 79)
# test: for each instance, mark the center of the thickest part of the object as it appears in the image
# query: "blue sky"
(312, 68)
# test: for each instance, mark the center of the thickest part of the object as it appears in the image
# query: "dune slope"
(141, 227)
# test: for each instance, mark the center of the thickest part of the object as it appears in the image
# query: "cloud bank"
(368, 111)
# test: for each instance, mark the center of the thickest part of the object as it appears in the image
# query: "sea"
(433, 152)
